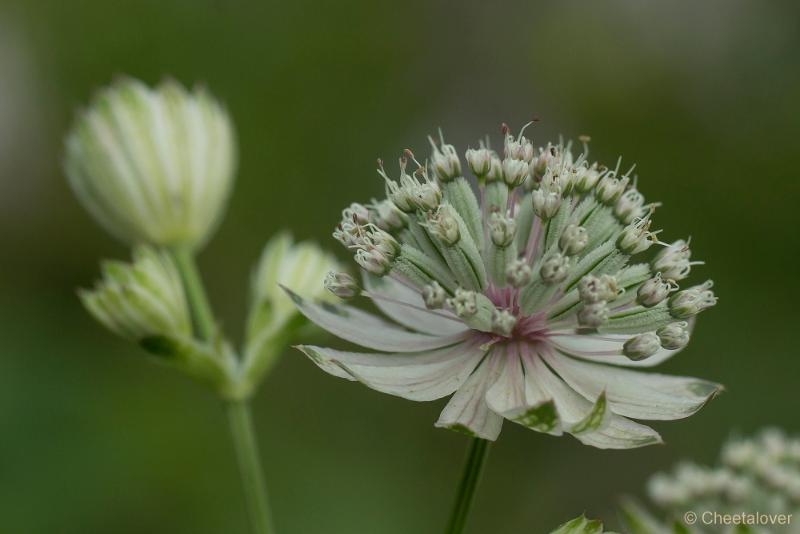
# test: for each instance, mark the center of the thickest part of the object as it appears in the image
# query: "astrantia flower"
(153, 165)
(525, 302)
(758, 476)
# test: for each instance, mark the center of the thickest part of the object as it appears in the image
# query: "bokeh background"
(704, 96)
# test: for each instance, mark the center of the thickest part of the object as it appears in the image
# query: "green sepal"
(580, 525)
(638, 319)
(459, 194)
(495, 197)
(594, 419)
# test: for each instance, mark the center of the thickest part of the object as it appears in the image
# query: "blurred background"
(96, 439)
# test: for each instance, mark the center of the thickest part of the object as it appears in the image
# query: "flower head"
(526, 305)
(153, 165)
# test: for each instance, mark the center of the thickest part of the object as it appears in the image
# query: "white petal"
(615, 432)
(607, 348)
(634, 393)
(404, 305)
(513, 398)
(467, 410)
(367, 330)
(416, 376)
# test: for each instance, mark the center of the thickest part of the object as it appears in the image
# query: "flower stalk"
(470, 478)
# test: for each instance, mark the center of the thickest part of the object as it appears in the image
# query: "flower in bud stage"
(444, 225)
(573, 240)
(630, 206)
(674, 336)
(515, 172)
(555, 268)
(654, 290)
(594, 314)
(358, 213)
(593, 289)
(479, 161)
(518, 273)
(513, 318)
(501, 229)
(673, 261)
(153, 165)
(689, 302)
(445, 162)
(546, 201)
(385, 215)
(433, 295)
(341, 284)
(642, 346)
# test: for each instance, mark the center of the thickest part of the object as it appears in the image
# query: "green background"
(95, 439)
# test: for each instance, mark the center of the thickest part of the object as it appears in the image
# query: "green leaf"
(580, 525)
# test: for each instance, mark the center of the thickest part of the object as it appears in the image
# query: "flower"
(153, 165)
(525, 305)
(144, 302)
(273, 319)
(756, 477)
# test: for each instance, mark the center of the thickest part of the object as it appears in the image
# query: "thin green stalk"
(238, 411)
(476, 458)
(255, 490)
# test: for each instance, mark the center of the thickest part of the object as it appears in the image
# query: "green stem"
(238, 411)
(255, 490)
(476, 457)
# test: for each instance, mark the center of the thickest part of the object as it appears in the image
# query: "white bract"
(525, 305)
(153, 165)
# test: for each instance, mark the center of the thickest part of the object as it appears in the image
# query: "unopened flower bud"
(503, 322)
(593, 289)
(654, 290)
(386, 216)
(555, 268)
(593, 315)
(636, 237)
(515, 171)
(546, 202)
(586, 178)
(629, 206)
(689, 302)
(518, 273)
(445, 162)
(521, 149)
(610, 188)
(356, 212)
(373, 260)
(495, 173)
(153, 165)
(479, 161)
(443, 225)
(501, 229)
(341, 284)
(641, 346)
(673, 261)
(433, 295)
(464, 303)
(674, 336)
(573, 240)
(427, 196)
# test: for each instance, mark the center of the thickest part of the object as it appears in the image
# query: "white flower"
(153, 165)
(144, 302)
(518, 312)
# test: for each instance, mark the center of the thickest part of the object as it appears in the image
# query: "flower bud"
(358, 213)
(433, 295)
(503, 322)
(515, 171)
(594, 314)
(386, 216)
(629, 206)
(674, 336)
(546, 202)
(501, 229)
(445, 162)
(593, 289)
(495, 173)
(479, 161)
(443, 225)
(521, 149)
(341, 284)
(153, 165)
(555, 268)
(142, 299)
(518, 273)
(586, 178)
(673, 261)
(610, 188)
(373, 260)
(654, 290)
(689, 302)
(573, 240)
(641, 346)
(464, 303)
